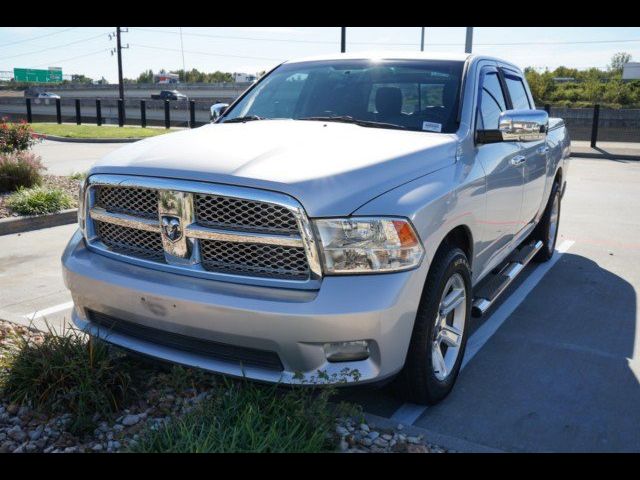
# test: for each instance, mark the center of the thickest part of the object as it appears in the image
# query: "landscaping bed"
(68, 185)
(61, 393)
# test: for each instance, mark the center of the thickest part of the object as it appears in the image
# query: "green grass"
(39, 200)
(248, 417)
(66, 373)
(93, 131)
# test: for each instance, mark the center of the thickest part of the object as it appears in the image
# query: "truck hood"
(331, 168)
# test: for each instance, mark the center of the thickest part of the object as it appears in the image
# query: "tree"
(145, 77)
(618, 60)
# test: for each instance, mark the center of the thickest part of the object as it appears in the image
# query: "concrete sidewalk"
(610, 150)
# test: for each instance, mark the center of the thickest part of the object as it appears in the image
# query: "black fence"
(598, 124)
(594, 124)
(167, 113)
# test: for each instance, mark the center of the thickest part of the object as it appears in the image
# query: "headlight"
(368, 245)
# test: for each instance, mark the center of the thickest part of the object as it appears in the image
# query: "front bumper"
(295, 324)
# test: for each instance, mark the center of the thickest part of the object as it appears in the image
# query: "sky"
(86, 50)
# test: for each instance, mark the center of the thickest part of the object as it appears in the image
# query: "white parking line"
(408, 413)
(48, 311)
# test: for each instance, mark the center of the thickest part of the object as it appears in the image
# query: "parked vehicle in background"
(216, 110)
(48, 95)
(341, 221)
(169, 95)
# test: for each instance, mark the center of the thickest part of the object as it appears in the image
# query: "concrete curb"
(87, 140)
(34, 222)
(445, 441)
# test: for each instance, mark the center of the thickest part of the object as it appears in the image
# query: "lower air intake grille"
(221, 351)
(252, 259)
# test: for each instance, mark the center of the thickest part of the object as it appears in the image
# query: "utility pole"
(469, 41)
(343, 40)
(422, 40)
(118, 50)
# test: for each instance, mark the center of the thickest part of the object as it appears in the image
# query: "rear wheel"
(547, 229)
(440, 331)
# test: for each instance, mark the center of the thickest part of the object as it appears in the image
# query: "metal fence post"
(58, 111)
(120, 112)
(78, 115)
(29, 116)
(594, 126)
(547, 108)
(98, 112)
(143, 114)
(192, 114)
(167, 115)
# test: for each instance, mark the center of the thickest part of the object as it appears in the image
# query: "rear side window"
(492, 102)
(518, 93)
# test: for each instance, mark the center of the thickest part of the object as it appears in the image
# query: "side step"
(491, 290)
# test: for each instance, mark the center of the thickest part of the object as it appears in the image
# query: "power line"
(205, 53)
(54, 47)
(231, 37)
(39, 36)
(58, 62)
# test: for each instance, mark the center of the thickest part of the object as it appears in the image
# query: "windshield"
(419, 95)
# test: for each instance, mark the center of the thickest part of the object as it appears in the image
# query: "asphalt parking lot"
(554, 366)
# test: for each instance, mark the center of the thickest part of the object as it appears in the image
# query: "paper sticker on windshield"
(432, 127)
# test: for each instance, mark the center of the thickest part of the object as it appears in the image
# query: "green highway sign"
(52, 75)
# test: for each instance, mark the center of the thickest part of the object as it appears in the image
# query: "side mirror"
(517, 126)
(217, 110)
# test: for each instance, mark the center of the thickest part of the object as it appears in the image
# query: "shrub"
(66, 373)
(15, 136)
(38, 201)
(247, 417)
(20, 169)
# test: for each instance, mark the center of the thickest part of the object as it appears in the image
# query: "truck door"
(535, 153)
(504, 174)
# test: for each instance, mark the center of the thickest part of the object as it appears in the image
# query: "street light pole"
(422, 40)
(343, 39)
(469, 41)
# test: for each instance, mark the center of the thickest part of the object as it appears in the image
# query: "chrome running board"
(498, 283)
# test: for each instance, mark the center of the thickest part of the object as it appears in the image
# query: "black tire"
(417, 381)
(542, 231)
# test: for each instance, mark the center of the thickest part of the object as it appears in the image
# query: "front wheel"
(440, 331)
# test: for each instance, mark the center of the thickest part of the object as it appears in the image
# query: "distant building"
(243, 77)
(166, 78)
(631, 71)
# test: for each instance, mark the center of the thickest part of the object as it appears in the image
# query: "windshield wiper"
(350, 119)
(247, 118)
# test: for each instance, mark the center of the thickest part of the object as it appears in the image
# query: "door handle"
(518, 160)
(543, 149)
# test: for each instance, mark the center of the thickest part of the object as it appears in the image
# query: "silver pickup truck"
(341, 221)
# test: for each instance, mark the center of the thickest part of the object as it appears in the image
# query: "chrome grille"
(239, 214)
(230, 233)
(132, 201)
(131, 241)
(253, 259)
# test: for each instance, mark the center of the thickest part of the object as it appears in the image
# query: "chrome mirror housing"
(523, 125)
(217, 110)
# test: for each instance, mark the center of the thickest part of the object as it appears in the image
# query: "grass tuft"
(39, 200)
(248, 417)
(66, 373)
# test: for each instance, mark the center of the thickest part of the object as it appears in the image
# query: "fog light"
(347, 351)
